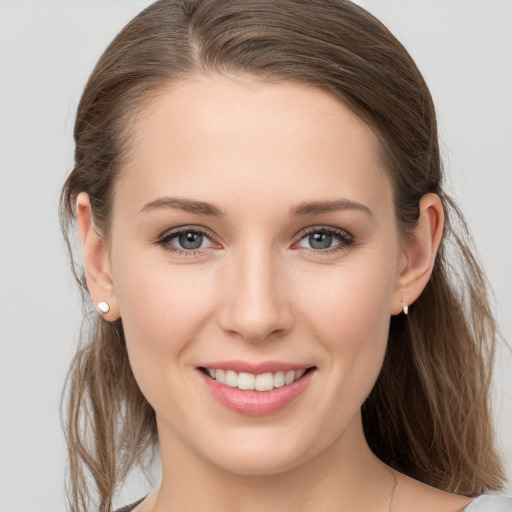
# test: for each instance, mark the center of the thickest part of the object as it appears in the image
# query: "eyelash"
(346, 240)
(164, 241)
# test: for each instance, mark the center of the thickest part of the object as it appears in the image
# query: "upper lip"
(256, 368)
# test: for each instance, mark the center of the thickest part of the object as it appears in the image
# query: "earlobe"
(96, 260)
(419, 251)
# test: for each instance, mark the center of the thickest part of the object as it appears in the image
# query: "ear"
(419, 253)
(96, 259)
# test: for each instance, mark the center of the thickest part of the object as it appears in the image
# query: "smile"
(259, 382)
(259, 392)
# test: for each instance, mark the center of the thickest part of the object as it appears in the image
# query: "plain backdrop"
(47, 50)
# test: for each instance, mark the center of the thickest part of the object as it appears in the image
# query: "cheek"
(158, 298)
(350, 311)
(353, 298)
(162, 309)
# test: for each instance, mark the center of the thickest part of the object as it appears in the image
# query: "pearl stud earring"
(406, 307)
(103, 307)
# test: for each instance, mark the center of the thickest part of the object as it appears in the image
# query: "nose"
(255, 303)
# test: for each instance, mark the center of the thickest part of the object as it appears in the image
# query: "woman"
(258, 193)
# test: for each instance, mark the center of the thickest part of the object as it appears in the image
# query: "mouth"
(257, 388)
(256, 382)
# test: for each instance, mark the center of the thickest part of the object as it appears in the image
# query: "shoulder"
(129, 508)
(490, 504)
(414, 495)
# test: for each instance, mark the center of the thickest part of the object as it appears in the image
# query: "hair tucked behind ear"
(428, 414)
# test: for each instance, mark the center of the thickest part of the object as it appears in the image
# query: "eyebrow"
(205, 208)
(319, 207)
(186, 205)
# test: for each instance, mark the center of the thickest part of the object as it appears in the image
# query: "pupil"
(191, 240)
(320, 240)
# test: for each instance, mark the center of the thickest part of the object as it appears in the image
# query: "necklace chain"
(391, 496)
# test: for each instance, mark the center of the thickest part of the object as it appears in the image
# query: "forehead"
(226, 137)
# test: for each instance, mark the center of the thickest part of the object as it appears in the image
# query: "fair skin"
(296, 260)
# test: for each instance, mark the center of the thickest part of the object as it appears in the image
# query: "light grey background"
(48, 48)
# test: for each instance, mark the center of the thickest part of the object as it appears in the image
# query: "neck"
(345, 477)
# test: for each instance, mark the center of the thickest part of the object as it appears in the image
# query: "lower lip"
(257, 403)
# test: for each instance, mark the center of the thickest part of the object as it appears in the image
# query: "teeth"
(246, 380)
(299, 374)
(264, 382)
(279, 379)
(260, 382)
(289, 377)
(231, 379)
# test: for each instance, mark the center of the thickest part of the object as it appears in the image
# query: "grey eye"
(190, 240)
(324, 239)
(186, 241)
(320, 240)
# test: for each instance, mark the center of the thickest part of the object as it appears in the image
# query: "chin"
(264, 464)
(261, 453)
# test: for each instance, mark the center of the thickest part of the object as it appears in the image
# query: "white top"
(481, 504)
(490, 504)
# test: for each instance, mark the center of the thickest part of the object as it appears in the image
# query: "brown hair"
(428, 415)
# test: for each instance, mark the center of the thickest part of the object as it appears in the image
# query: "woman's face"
(253, 233)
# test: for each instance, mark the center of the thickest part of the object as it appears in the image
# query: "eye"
(189, 240)
(186, 240)
(325, 239)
